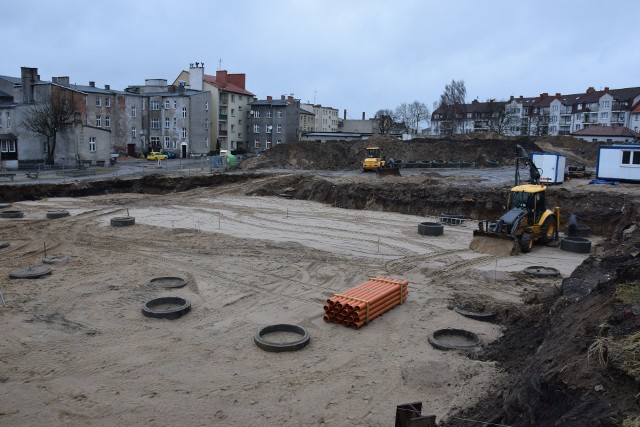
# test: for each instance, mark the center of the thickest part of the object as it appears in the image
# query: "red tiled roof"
(234, 83)
(613, 131)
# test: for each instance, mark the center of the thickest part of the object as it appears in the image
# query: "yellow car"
(155, 155)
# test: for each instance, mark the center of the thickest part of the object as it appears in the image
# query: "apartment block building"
(325, 118)
(105, 121)
(275, 121)
(544, 114)
(229, 111)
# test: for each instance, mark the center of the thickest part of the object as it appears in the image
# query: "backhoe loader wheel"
(548, 229)
(526, 243)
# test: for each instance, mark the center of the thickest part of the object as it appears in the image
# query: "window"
(184, 112)
(92, 144)
(256, 128)
(469, 115)
(167, 104)
(268, 144)
(255, 114)
(233, 128)
(175, 104)
(98, 121)
(554, 108)
(631, 157)
(154, 105)
(8, 116)
(256, 144)
(604, 115)
(279, 128)
(279, 141)
(174, 144)
(1, 120)
(133, 132)
(98, 101)
(10, 146)
(107, 102)
(155, 141)
(605, 104)
(233, 98)
(206, 142)
(184, 133)
(206, 106)
(175, 123)
(133, 111)
(155, 123)
(107, 121)
(167, 122)
(233, 112)
(279, 114)
(269, 114)
(167, 142)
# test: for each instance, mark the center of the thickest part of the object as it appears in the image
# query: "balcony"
(222, 117)
(617, 106)
(565, 111)
(224, 100)
(222, 132)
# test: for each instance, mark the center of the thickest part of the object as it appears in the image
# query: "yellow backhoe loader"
(527, 220)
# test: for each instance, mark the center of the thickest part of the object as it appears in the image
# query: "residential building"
(551, 115)
(168, 117)
(325, 118)
(229, 109)
(606, 134)
(275, 121)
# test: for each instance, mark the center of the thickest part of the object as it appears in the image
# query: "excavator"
(527, 220)
(374, 161)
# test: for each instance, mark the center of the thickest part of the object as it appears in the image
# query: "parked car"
(169, 154)
(155, 155)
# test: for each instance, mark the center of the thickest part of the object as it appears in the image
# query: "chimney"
(221, 77)
(107, 87)
(92, 84)
(28, 76)
(544, 95)
(606, 88)
(345, 114)
(511, 98)
(196, 76)
(290, 99)
(590, 90)
(281, 97)
(237, 79)
(61, 80)
(521, 97)
(269, 98)
(363, 115)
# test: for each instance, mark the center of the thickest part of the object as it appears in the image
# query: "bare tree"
(451, 105)
(419, 114)
(502, 118)
(386, 119)
(49, 116)
(403, 113)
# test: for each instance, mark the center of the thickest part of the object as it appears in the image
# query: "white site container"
(619, 163)
(551, 167)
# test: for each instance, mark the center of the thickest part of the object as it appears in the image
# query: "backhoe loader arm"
(534, 173)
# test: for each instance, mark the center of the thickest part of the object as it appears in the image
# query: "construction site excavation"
(281, 295)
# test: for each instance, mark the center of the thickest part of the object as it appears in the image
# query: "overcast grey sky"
(359, 55)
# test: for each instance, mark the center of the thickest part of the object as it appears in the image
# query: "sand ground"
(76, 350)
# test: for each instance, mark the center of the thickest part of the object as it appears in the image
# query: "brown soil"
(545, 372)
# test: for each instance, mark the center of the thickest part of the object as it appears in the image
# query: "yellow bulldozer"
(374, 161)
(527, 220)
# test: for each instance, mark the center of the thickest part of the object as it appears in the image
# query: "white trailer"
(551, 167)
(619, 163)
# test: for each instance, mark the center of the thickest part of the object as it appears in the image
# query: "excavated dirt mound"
(341, 155)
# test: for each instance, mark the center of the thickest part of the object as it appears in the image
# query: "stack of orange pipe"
(365, 302)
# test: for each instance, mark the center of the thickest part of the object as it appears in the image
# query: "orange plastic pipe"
(373, 308)
(390, 291)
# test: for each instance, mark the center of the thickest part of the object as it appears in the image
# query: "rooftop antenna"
(219, 64)
(315, 92)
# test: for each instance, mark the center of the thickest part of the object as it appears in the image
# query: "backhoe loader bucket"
(388, 172)
(494, 243)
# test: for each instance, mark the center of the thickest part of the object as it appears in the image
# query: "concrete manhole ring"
(278, 347)
(5, 205)
(168, 282)
(123, 221)
(578, 245)
(454, 339)
(33, 272)
(166, 307)
(541, 271)
(55, 259)
(484, 316)
(4, 245)
(430, 229)
(57, 214)
(11, 214)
